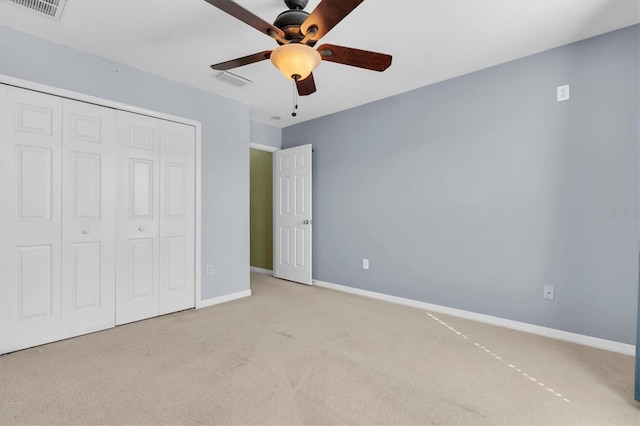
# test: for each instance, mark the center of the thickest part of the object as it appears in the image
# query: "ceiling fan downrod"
(296, 4)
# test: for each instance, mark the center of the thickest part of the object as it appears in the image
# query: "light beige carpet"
(293, 354)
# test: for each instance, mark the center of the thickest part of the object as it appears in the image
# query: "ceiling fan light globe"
(295, 59)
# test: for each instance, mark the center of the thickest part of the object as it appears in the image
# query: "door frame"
(63, 93)
(272, 149)
(261, 147)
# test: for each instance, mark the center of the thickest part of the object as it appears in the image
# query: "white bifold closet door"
(88, 218)
(177, 217)
(57, 252)
(30, 218)
(155, 217)
(97, 218)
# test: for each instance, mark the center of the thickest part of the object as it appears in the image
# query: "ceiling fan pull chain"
(295, 97)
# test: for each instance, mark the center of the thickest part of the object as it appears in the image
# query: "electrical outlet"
(563, 93)
(365, 263)
(209, 269)
(548, 292)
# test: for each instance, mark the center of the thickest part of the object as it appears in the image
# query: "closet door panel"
(137, 218)
(88, 225)
(30, 222)
(177, 217)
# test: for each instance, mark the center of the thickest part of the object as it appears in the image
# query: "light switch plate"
(563, 93)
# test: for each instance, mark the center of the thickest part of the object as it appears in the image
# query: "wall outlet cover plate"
(548, 292)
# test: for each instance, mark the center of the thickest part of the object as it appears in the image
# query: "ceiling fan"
(297, 31)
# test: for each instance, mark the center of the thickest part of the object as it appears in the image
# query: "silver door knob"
(307, 222)
(85, 231)
(140, 228)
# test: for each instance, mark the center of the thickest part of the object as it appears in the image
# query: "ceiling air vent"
(234, 79)
(50, 8)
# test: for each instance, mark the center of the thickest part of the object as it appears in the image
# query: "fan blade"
(306, 86)
(245, 60)
(355, 57)
(247, 17)
(326, 15)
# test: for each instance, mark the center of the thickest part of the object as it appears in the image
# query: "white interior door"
(137, 219)
(30, 222)
(177, 217)
(88, 218)
(292, 214)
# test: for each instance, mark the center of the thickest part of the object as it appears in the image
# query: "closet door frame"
(63, 93)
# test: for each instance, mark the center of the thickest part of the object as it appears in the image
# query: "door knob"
(140, 228)
(85, 231)
(307, 222)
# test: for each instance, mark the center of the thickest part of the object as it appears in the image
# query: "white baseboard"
(581, 339)
(223, 299)
(261, 270)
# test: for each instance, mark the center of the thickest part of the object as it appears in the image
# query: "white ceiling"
(430, 40)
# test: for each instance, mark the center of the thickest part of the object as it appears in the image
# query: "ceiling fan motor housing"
(289, 22)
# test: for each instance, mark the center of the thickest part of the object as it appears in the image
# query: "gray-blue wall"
(225, 139)
(264, 134)
(475, 192)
